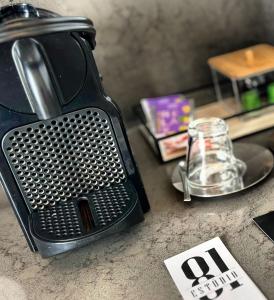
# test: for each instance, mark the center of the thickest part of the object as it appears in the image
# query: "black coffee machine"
(65, 161)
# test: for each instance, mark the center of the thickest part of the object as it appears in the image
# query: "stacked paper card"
(209, 271)
(167, 115)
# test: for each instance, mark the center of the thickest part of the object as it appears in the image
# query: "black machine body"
(65, 160)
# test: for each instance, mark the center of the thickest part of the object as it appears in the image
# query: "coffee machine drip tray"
(63, 158)
(85, 216)
(72, 178)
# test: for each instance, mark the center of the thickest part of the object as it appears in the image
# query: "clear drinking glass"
(212, 168)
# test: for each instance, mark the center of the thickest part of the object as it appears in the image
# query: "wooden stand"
(241, 64)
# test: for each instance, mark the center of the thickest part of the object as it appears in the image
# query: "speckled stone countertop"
(130, 265)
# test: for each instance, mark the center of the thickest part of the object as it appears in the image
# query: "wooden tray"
(240, 125)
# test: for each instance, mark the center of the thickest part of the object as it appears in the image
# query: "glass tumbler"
(211, 167)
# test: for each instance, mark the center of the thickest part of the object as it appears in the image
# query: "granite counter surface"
(130, 265)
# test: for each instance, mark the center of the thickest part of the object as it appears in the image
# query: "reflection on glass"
(211, 164)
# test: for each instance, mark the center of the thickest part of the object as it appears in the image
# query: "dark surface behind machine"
(65, 161)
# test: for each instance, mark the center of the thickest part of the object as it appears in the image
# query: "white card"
(209, 271)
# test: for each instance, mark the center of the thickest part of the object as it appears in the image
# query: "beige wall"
(156, 47)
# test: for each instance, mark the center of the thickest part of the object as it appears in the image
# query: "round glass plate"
(259, 162)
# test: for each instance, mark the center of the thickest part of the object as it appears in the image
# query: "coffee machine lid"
(21, 24)
(21, 10)
(23, 20)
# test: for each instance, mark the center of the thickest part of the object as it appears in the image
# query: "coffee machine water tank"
(65, 160)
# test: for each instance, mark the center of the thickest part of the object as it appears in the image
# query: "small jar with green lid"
(270, 93)
(251, 100)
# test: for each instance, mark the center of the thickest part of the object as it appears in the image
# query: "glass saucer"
(259, 163)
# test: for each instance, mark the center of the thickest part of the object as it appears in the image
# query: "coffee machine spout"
(37, 78)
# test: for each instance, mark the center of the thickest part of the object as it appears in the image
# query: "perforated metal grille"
(60, 221)
(63, 221)
(110, 203)
(63, 158)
